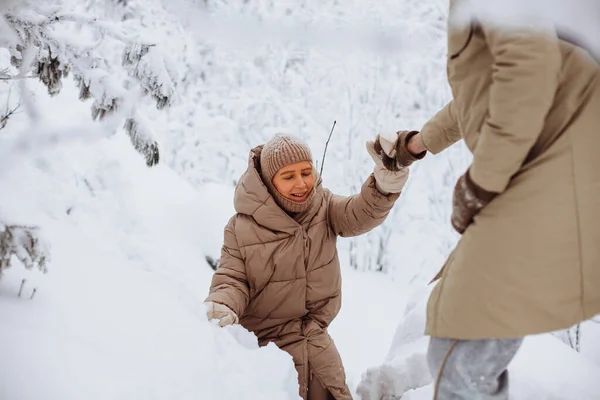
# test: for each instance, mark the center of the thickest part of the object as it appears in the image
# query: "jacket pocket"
(443, 269)
(458, 40)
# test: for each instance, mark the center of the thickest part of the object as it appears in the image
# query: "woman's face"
(295, 181)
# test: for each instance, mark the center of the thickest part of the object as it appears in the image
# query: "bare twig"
(14, 78)
(569, 339)
(325, 151)
(21, 288)
(4, 118)
(103, 27)
(33, 293)
(5, 75)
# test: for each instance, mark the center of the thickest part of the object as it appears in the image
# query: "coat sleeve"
(441, 131)
(359, 213)
(525, 77)
(229, 284)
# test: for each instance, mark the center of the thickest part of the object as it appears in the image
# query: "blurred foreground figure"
(527, 104)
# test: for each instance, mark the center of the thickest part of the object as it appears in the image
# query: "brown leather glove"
(468, 200)
(395, 154)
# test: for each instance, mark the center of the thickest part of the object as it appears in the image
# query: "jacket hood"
(252, 198)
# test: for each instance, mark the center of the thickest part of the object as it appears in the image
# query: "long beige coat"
(528, 107)
(281, 275)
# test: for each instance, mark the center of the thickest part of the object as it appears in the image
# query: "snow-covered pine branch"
(26, 244)
(140, 133)
(43, 45)
(155, 74)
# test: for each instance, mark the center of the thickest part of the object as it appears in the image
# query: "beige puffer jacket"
(281, 275)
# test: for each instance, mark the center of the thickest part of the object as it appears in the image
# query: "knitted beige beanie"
(278, 152)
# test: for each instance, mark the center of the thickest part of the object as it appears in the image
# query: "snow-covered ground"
(372, 306)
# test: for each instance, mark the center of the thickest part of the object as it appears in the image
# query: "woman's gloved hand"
(394, 151)
(468, 200)
(220, 312)
(387, 181)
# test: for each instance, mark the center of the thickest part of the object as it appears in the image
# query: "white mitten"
(220, 312)
(386, 181)
(389, 142)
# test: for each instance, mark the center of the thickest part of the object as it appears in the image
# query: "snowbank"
(544, 368)
(364, 329)
(120, 315)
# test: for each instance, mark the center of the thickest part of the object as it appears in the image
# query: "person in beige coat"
(279, 272)
(527, 105)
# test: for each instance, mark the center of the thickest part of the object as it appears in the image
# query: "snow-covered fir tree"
(49, 42)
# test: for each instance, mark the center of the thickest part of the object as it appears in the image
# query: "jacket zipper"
(307, 370)
(307, 374)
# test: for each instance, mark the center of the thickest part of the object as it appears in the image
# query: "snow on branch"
(153, 71)
(141, 137)
(104, 27)
(43, 46)
(58, 54)
(26, 244)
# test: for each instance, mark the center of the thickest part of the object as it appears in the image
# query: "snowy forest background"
(124, 125)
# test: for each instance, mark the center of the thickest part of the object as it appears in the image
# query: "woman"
(279, 273)
(525, 102)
